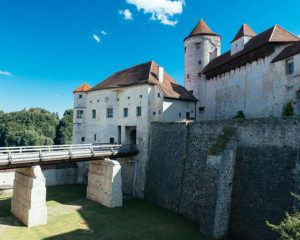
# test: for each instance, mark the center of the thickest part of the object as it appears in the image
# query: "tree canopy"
(35, 127)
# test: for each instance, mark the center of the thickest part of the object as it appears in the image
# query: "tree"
(65, 128)
(288, 110)
(289, 228)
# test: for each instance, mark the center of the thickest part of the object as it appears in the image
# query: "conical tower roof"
(245, 31)
(82, 88)
(202, 29)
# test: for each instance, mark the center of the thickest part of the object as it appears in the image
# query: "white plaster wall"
(238, 45)
(192, 67)
(259, 89)
(172, 108)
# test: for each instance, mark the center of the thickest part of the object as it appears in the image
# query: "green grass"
(72, 217)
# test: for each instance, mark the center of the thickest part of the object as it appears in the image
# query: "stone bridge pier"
(28, 203)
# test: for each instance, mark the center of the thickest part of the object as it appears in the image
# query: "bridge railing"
(31, 154)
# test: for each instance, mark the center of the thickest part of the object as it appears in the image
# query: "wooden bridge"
(20, 157)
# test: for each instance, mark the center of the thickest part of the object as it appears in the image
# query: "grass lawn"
(71, 216)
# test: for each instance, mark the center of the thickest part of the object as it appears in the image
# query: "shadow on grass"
(136, 220)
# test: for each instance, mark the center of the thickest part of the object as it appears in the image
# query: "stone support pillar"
(105, 183)
(28, 203)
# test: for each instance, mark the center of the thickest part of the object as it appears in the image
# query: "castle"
(258, 75)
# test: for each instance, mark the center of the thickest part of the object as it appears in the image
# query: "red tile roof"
(288, 52)
(83, 88)
(259, 46)
(202, 29)
(145, 73)
(245, 31)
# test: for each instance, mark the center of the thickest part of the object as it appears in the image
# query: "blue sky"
(49, 47)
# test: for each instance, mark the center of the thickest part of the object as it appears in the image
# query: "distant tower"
(200, 48)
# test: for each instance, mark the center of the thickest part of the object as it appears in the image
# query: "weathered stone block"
(28, 203)
(105, 183)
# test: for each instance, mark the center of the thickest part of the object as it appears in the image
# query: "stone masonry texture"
(28, 203)
(105, 183)
(254, 188)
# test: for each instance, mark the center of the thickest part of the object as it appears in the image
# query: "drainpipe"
(134, 177)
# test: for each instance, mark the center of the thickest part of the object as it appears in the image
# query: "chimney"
(161, 74)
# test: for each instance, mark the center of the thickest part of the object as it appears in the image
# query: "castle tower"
(200, 48)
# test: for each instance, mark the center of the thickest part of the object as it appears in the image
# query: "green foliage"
(32, 127)
(65, 128)
(288, 110)
(240, 115)
(289, 228)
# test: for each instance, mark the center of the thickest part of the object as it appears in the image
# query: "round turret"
(200, 48)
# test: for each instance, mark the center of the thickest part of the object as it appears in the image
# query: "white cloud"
(126, 14)
(104, 32)
(160, 10)
(96, 38)
(5, 73)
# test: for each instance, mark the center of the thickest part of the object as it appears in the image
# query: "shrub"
(240, 115)
(288, 110)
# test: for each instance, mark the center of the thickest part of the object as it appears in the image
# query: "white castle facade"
(259, 75)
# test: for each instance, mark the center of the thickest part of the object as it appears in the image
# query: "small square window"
(98, 100)
(90, 101)
(198, 45)
(179, 115)
(201, 109)
(125, 112)
(141, 96)
(95, 137)
(191, 91)
(79, 114)
(109, 113)
(82, 139)
(80, 96)
(199, 62)
(158, 94)
(128, 97)
(138, 111)
(290, 66)
(111, 140)
(118, 99)
(188, 76)
(154, 113)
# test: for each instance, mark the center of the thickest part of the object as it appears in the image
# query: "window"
(201, 109)
(188, 115)
(184, 49)
(110, 113)
(179, 115)
(80, 96)
(188, 76)
(93, 113)
(79, 114)
(158, 94)
(191, 91)
(199, 62)
(138, 111)
(290, 66)
(298, 94)
(154, 113)
(125, 112)
(128, 98)
(111, 140)
(198, 45)
(141, 96)
(82, 139)
(95, 137)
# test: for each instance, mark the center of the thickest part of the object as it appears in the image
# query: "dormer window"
(290, 66)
